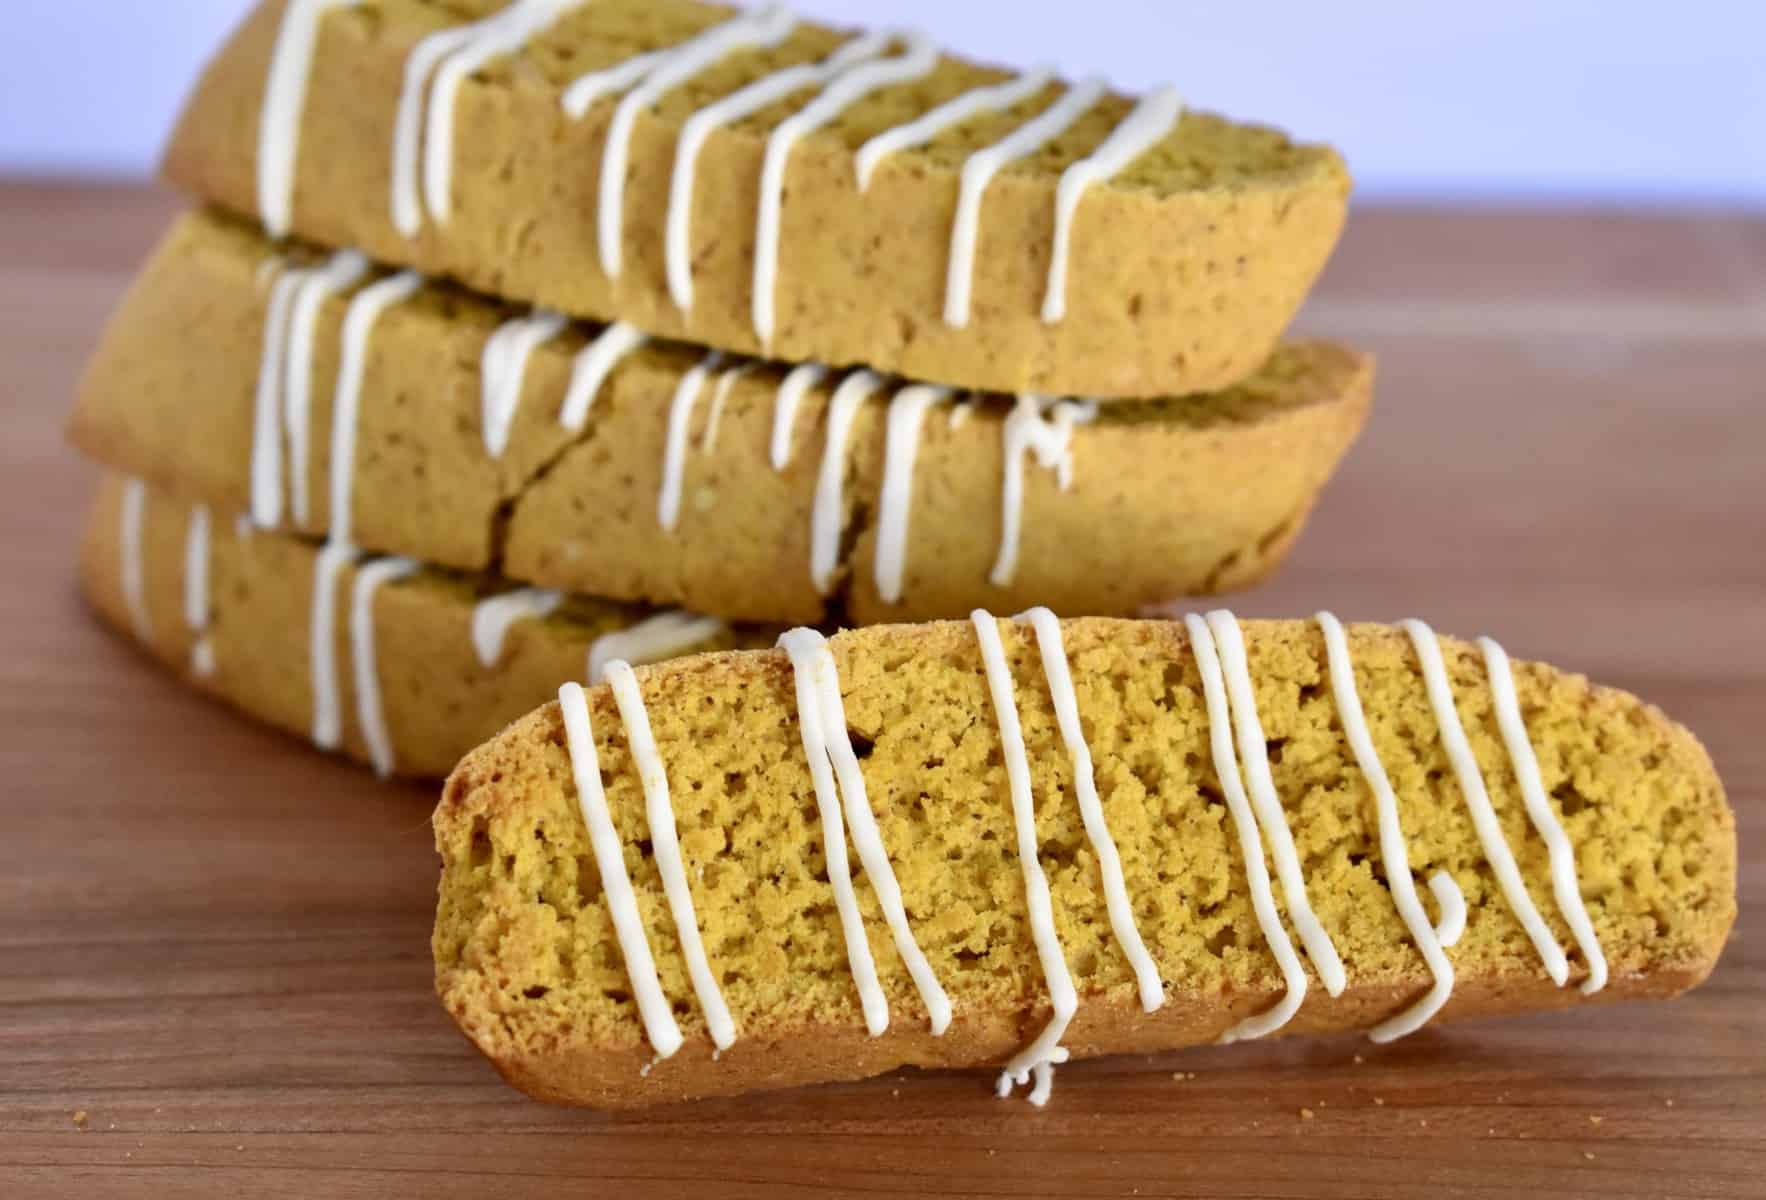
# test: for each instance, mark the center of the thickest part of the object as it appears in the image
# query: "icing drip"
(825, 520)
(907, 413)
(493, 617)
(1091, 810)
(1452, 903)
(761, 29)
(1050, 438)
(1150, 123)
(1254, 756)
(322, 650)
(995, 98)
(960, 414)
(1394, 853)
(1046, 1050)
(917, 60)
(596, 86)
(674, 454)
(134, 520)
(732, 108)
(285, 102)
(791, 392)
(503, 370)
(667, 850)
(593, 365)
(662, 636)
(1564, 885)
(978, 173)
(622, 905)
(196, 590)
(345, 269)
(1471, 785)
(1232, 787)
(720, 396)
(369, 580)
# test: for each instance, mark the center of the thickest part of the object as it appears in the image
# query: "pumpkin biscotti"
(760, 184)
(983, 843)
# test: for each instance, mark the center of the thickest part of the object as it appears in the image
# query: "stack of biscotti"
(513, 337)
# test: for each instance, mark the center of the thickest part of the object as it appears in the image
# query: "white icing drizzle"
(1564, 885)
(960, 414)
(134, 521)
(1394, 852)
(202, 657)
(1046, 1049)
(760, 29)
(503, 371)
(1150, 123)
(674, 453)
(285, 102)
(907, 413)
(494, 616)
(990, 99)
(829, 512)
(1091, 810)
(1048, 436)
(732, 108)
(267, 271)
(1254, 757)
(1232, 787)
(919, 56)
(667, 850)
(196, 589)
(345, 269)
(1452, 903)
(662, 636)
(622, 905)
(596, 86)
(978, 173)
(266, 439)
(322, 648)
(594, 363)
(1471, 785)
(369, 580)
(796, 385)
(720, 396)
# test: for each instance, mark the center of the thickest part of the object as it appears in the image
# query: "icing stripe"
(674, 454)
(791, 392)
(266, 437)
(196, 590)
(761, 29)
(134, 521)
(978, 173)
(369, 713)
(358, 324)
(1452, 903)
(407, 140)
(322, 645)
(732, 108)
(667, 850)
(1271, 818)
(1150, 123)
(994, 98)
(918, 58)
(596, 86)
(344, 270)
(1232, 787)
(593, 365)
(285, 102)
(1050, 438)
(503, 371)
(829, 513)
(802, 646)
(1394, 853)
(493, 617)
(1091, 810)
(1471, 786)
(660, 637)
(622, 905)
(1564, 885)
(720, 396)
(907, 413)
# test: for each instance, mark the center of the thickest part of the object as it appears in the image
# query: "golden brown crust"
(1169, 498)
(1184, 272)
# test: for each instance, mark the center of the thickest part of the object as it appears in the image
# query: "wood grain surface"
(214, 973)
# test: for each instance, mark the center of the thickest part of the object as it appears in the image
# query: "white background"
(1626, 100)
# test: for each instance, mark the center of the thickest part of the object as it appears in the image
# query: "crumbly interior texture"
(1185, 268)
(439, 700)
(1174, 497)
(527, 962)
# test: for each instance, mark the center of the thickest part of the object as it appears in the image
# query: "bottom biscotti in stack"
(968, 844)
(418, 665)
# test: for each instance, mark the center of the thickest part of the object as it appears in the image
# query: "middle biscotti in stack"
(772, 323)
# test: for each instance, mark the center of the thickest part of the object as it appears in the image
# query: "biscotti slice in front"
(1012, 233)
(984, 843)
(421, 665)
(640, 471)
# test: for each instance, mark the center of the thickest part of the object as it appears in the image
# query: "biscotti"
(1067, 838)
(421, 665)
(850, 200)
(590, 460)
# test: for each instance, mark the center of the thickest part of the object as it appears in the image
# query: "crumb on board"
(1306, 1114)
(1589, 1155)
(1359, 1060)
(1668, 1103)
(80, 1118)
(1380, 1100)
(1593, 1120)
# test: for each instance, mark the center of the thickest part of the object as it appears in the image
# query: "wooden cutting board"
(214, 975)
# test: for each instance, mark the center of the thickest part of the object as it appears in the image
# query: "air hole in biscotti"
(1570, 801)
(645, 848)
(539, 835)
(1211, 796)
(861, 745)
(1223, 939)
(537, 992)
(508, 864)
(1277, 747)
(1311, 692)
(1356, 860)
(970, 956)
(481, 845)
(1136, 303)
(735, 783)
